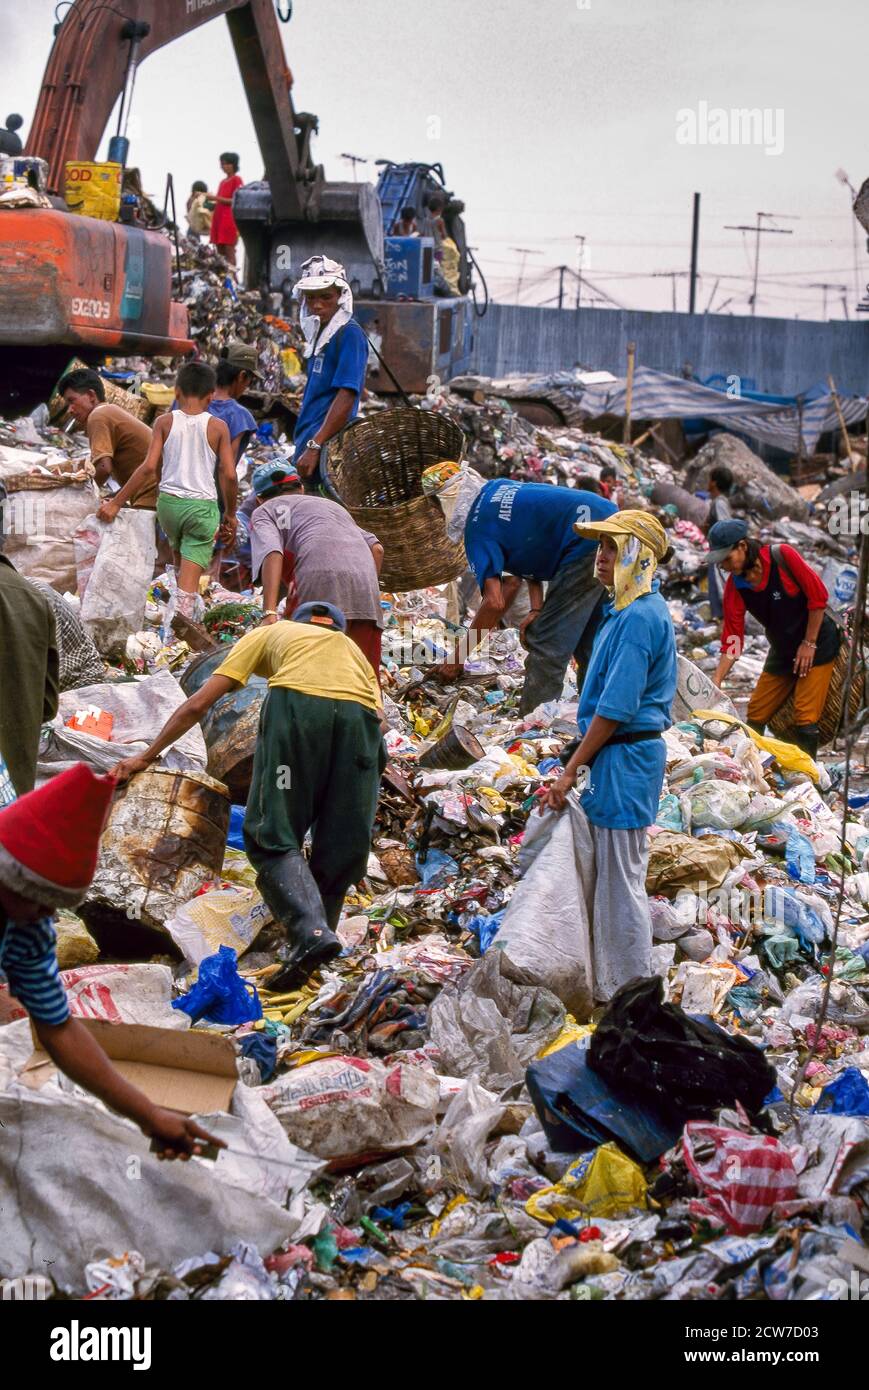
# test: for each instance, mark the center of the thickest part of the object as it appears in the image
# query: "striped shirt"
(28, 959)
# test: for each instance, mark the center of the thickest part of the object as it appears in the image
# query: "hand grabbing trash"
(175, 1135)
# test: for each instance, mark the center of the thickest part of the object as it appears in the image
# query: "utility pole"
(823, 286)
(695, 241)
(580, 257)
(562, 271)
(758, 228)
(524, 252)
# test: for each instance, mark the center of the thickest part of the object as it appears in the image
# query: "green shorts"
(190, 524)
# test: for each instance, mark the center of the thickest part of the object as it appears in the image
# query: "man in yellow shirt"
(317, 767)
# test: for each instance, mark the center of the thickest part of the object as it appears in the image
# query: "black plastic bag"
(689, 1064)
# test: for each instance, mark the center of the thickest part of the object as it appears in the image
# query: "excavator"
(72, 282)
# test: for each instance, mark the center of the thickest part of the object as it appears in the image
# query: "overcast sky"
(556, 118)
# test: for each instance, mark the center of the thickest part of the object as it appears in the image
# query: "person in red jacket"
(788, 599)
(224, 232)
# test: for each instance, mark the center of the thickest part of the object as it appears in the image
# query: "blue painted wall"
(781, 356)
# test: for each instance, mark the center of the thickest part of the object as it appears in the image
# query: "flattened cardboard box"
(190, 1071)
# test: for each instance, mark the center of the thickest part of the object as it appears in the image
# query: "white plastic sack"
(346, 1107)
(545, 937)
(457, 497)
(140, 709)
(116, 993)
(114, 564)
(80, 1181)
(40, 544)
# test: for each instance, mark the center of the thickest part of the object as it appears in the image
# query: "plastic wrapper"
(601, 1183)
(230, 917)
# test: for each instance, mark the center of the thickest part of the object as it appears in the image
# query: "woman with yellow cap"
(623, 710)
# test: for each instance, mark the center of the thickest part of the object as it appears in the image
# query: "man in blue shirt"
(624, 708)
(526, 531)
(336, 352)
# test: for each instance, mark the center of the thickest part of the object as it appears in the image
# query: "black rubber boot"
(333, 906)
(292, 897)
(805, 736)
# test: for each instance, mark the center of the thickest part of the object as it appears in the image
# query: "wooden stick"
(842, 426)
(629, 392)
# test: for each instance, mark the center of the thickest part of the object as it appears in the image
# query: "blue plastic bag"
(799, 857)
(578, 1109)
(220, 995)
(485, 926)
(235, 839)
(437, 870)
(782, 907)
(848, 1094)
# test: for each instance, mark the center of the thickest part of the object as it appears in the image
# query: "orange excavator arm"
(97, 48)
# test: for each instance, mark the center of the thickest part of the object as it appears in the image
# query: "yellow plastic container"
(93, 190)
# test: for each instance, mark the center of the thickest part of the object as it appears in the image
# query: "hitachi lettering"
(75, 1343)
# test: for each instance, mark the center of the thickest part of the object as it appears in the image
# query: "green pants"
(317, 767)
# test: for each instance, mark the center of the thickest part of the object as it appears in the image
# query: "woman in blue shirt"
(624, 708)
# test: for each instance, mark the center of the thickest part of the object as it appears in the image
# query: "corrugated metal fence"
(781, 356)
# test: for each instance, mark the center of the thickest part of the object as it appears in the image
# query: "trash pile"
(442, 1112)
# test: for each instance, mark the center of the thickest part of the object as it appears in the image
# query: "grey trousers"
(564, 628)
(621, 926)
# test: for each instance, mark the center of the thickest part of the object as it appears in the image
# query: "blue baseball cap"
(723, 536)
(268, 477)
(321, 615)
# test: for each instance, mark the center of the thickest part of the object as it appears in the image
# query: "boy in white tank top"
(186, 445)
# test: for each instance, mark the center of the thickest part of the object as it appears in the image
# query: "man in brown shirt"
(119, 442)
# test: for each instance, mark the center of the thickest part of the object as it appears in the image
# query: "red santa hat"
(50, 838)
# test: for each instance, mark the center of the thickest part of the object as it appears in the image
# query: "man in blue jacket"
(519, 531)
(336, 360)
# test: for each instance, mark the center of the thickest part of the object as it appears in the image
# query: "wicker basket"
(374, 469)
(830, 722)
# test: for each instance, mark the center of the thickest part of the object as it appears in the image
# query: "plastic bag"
(719, 805)
(489, 1026)
(114, 564)
(462, 1135)
(457, 499)
(604, 1183)
(345, 1108)
(578, 1108)
(220, 995)
(787, 755)
(654, 1049)
(742, 1176)
(545, 937)
(799, 856)
(848, 1094)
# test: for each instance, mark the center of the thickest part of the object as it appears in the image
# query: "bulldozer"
(77, 284)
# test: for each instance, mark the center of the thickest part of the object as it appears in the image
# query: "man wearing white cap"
(336, 359)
